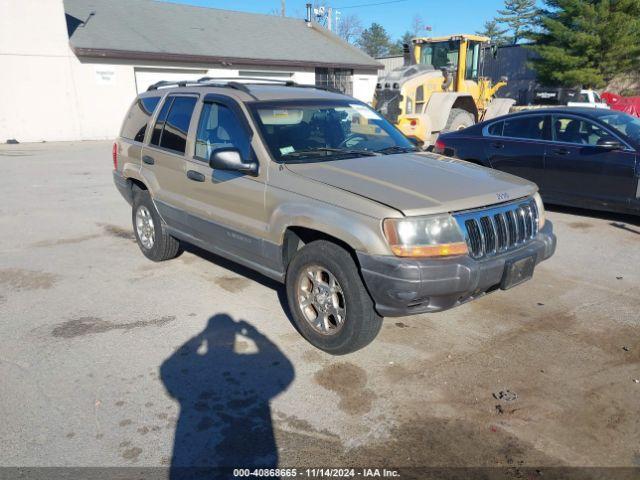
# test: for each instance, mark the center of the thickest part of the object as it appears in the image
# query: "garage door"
(148, 76)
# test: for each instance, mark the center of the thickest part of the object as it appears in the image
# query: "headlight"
(409, 108)
(437, 236)
(542, 217)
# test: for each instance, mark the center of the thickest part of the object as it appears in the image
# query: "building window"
(340, 79)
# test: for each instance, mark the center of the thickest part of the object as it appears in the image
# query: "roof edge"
(224, 61)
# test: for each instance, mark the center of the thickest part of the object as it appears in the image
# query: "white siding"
(37, 94)
(47, 93)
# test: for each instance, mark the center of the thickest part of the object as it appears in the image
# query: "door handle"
(561, 151)
(195, 176)
(148, 160)
(497, 145)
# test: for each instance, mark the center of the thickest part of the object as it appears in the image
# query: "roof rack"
(237, 83)
(256, 80)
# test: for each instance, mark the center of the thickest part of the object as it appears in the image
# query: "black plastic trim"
(123, 186)
(252, 252)
(402, 287)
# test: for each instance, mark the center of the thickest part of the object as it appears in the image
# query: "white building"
(390, 63)
(69, 70)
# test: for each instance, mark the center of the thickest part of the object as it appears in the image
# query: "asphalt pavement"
(109, 359)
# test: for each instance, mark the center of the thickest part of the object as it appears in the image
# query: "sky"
(444, 16)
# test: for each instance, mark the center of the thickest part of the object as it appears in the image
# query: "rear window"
(173, 122)
(135, 124)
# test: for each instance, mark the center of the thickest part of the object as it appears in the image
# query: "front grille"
(495, 230)
(388, 103)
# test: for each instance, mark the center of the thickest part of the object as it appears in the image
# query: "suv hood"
(418, 183)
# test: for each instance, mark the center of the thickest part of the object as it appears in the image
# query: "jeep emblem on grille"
(502, 196)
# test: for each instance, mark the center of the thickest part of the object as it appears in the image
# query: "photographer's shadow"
(224, 383)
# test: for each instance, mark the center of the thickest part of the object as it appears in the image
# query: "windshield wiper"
(396, 149)
(338, 151)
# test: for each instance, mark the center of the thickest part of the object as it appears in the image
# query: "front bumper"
(401, 286)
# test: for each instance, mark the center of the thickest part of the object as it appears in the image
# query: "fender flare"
(498, 107)
(330, 221)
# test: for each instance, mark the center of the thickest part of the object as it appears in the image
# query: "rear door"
(516, 145)
(163, 158)
(581, 171)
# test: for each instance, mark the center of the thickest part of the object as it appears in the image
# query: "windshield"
(300, 132)
(439, 54)
(623, 123)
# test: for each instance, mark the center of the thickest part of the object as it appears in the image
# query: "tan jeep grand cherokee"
(314, 189)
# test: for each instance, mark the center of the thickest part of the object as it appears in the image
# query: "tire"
(360, 323)
(158, 245)
(459, 119)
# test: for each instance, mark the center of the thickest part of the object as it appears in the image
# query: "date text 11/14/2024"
(316, 473)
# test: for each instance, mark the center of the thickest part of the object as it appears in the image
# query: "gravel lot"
(108, 359)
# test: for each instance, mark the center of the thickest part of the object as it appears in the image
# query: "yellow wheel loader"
(440, 88)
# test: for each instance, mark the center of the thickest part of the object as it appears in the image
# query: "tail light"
(114, 154)
(439, 146)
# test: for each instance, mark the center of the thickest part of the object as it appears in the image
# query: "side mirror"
(230, 159)
(609, 144)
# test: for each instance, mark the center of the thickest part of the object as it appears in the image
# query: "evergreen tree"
(587, 42)
(398, 47)
(519, 16)
(492, 30)
(375, 40)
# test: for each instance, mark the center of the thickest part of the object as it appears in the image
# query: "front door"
(516, 146)
(580, 170)
(227, 208)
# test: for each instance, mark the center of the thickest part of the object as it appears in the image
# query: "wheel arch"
(136, 183)
(467, 104)
(296, 236)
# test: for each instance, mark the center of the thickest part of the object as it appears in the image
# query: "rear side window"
(135, 124)
(162, 117)
(496, 129)
(172, 126)
(525, 127)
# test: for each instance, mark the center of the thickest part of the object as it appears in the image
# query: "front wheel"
(458, 120)
(328, 300)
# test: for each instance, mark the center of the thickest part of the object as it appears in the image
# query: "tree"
(375, 40)
(349, 28)
(398, 47)
(587, 42)
(492, 30)
(519, 16)
(418, 28)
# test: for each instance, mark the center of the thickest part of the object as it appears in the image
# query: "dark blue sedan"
(583, 157)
